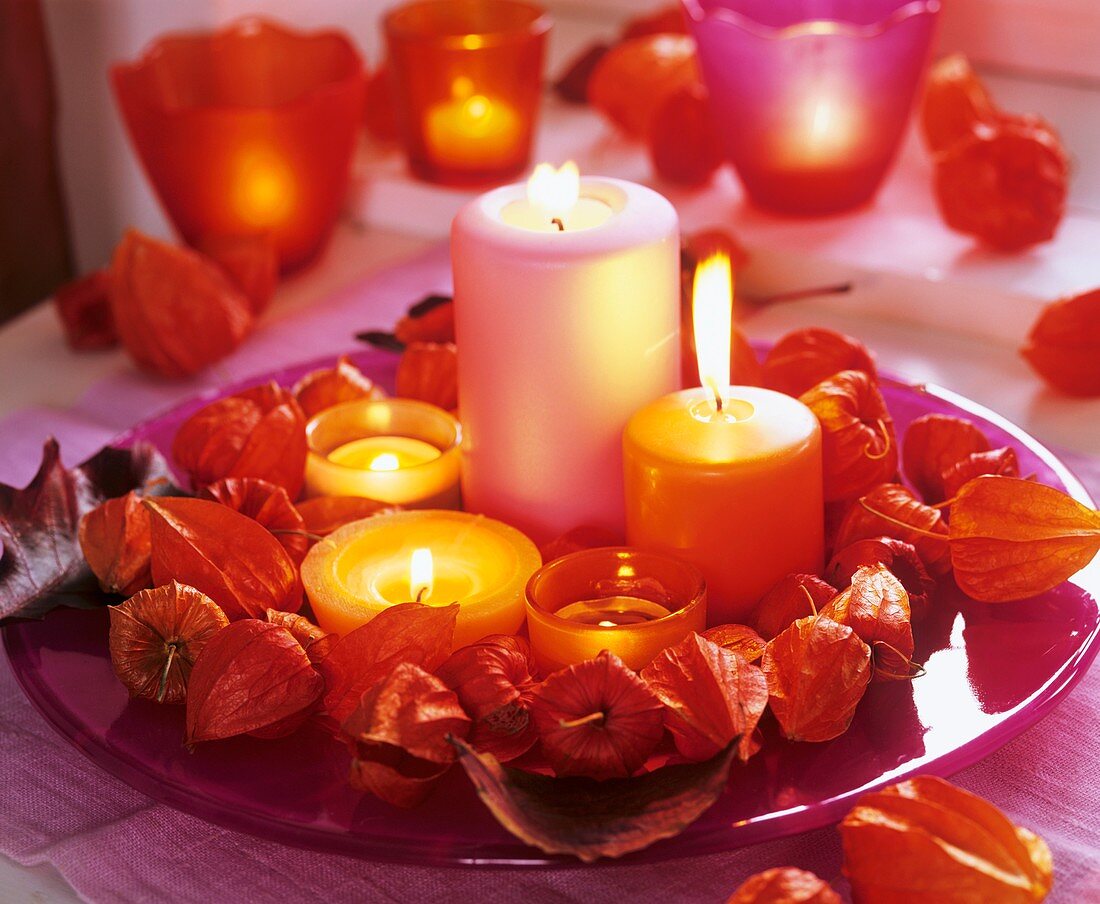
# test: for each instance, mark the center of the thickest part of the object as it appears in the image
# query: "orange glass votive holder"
(467, 79)
(625, 600)
(248, 130)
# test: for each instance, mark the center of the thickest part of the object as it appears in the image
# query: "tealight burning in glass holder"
(630, 602)
(400, 451)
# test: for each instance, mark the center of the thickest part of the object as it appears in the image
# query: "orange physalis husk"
(634, 77)
(223, 553)
(1064, 344)
(817, 673)
(1001, 462)
(579, 538)
(858, 446)
(317, 642)
(1012, 539)
(398, 735)
(784, 885)
(250, 261)
(323, 514)
(175, 311)
(267, 504)
(711, 695)
(156, 636)
(329, 386)
(572, 85)
(663, 20)
(492, 678)
(932, 444)
(899, 557)
(685, 145)
(429, 320)
(955, 101)
(739, 639)
(793, 597)
(597, 718)
(429, 371)
(891, 510)
(1005, 184)
(84, 307)
(876, 606)
(250, 675)
(803, 358)
(926, 840)
(114, 538)
(407, 632)
(260, 432)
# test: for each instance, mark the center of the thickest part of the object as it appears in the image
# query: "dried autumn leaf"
(431, 319)
(250, 675)
(577, 539)
(932, 444)
(1001, 462)
(589, 819)
(428, 371)
(899, 557)
(223, 553)
(793, 597)
(329, 386)
(267, 504)
(712, 697)
(175, 311)
(955, 101)
(927, 840)
(739, 639)
(317, 642)
(492, 679)
(1012, 539)
(784, 885)
(805, 357)
(260, 433)
(1064, 344)
(399, 735)
(41, 564)
(114, 538)
(157, 635)
(858, 446)
(408, 632)
(597, 719)
(891, 510)
(817, 673)
(84, 308)
(324, 514)
(250, 261)
(876, 607)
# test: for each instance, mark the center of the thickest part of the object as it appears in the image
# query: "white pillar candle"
(567, 321)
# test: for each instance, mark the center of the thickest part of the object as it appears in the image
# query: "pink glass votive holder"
(625, 600)
(812, 96)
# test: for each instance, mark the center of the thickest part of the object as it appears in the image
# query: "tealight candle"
(472, 132)
(431, 556)
(628, 601)
(726, 477)
(400, 451)
(567, 300)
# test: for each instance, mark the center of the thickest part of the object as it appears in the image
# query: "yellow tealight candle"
(613, 611)
(472, 132)
(383, 453)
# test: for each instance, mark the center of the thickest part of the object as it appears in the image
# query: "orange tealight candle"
(726, 477)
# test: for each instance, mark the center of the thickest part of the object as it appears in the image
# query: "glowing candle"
(472, 131)
(383, 453)
(567, 295)
(431, 556)
(726, 477)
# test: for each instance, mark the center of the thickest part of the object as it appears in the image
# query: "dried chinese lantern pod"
(250, 261)
(932, 444)
(428, 371)
(317, 642)
(432, 319)
(260, 433)
(323, 514)
(266, 504)
(739, 639)
(175, 311)
(329, 386)
(876, 606)
(1005, 184)
(858, 446)
(115, 541)
(157, 635)
(572, 85)
(1064, 344)
(891, 510)
(1001, 462)
(803, 358)
(784, 885)
(84, 307)
(927, 840)
(685, 146)
(663, 20)
(955, 101)
(793, 597)
(896, 555)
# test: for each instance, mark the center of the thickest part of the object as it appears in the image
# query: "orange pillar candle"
(726, 477)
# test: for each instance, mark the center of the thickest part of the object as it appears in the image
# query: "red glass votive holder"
(467, 79)
(625, 600)
(247, 130)
(812, 96)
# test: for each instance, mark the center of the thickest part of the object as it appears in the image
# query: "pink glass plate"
(992, 671)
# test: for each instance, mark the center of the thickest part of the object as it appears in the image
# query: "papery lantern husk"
(268, 505)
(784, 885)
(116, 543)
(330, 386)
(428, 371)
(1064, 344)
(803, 358)
(891, 510)
(932, 444)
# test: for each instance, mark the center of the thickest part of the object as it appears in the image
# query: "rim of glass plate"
(812, 27)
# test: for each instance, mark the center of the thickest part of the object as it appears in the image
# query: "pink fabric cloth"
(116, 845)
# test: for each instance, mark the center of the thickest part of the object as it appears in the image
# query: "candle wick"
(557, 222)
(420, 594)
(718, 402)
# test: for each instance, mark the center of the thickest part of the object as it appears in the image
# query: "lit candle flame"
(712, 313)
(387, 461)
(421, 572)
(554, 190)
